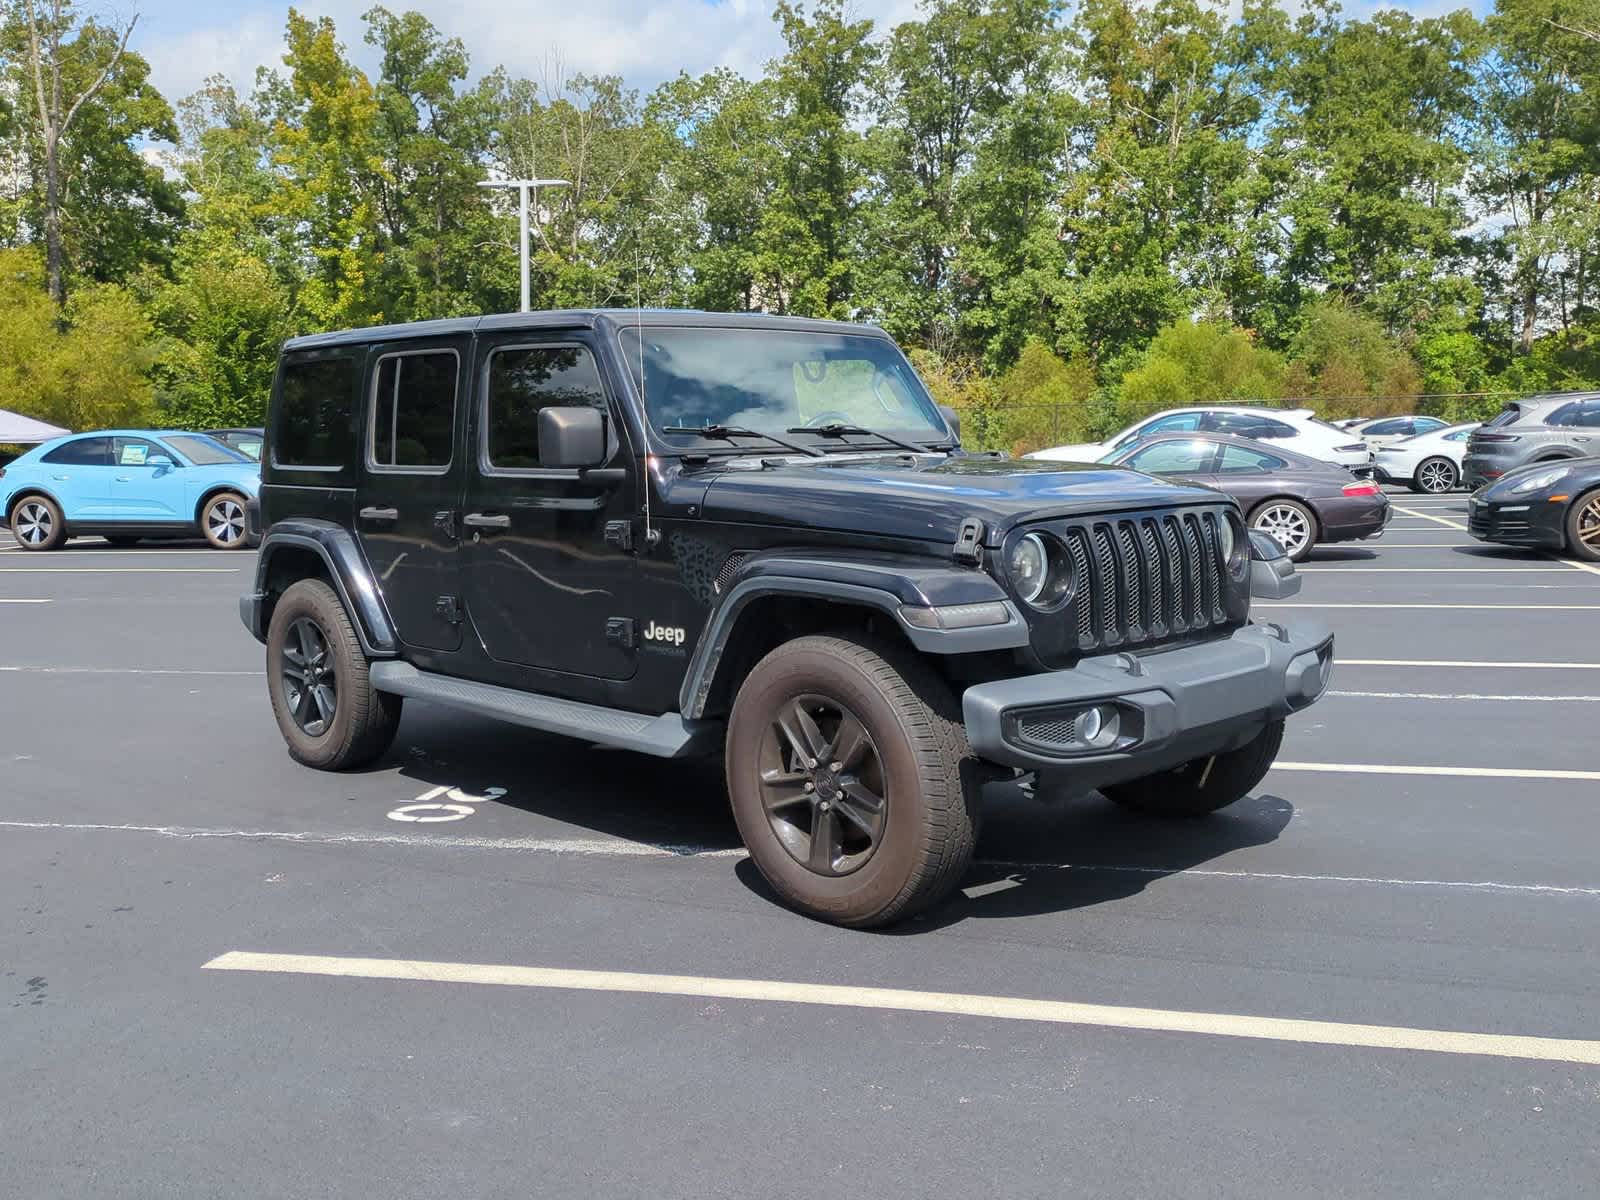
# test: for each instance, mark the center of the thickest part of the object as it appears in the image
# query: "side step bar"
(666, 736)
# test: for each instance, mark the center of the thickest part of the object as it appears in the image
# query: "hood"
(892, 498)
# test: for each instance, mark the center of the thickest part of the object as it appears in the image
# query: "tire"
(36, 523)
(1204, 785)
(122, 540)
(222, 521)
(1583, 527)
(1288, 520)
(910, 757)
(1435, 477)
(310, 639)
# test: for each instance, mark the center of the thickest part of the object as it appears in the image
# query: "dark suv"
(1539, 429)
(683, 533)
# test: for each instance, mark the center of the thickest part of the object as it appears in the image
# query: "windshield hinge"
(969, 543)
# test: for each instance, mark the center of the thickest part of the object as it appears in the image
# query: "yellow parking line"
(1002, 1008)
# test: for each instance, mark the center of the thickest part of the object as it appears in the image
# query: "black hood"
(928, 501)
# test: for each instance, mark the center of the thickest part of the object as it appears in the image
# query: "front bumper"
(1172, 706)
(1528, 522)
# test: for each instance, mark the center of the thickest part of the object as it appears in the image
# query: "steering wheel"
(832, 417)
(814, 373)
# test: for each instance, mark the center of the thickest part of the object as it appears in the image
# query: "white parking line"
(1431, 570)
(1463, 696)
(1003, 1008)
(1451, 772)
(1417, 512)
(31, 670)
(120, 570)
(10, 600)
(1358, 604)
(1476, 664)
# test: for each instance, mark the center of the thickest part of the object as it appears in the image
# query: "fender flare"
(30, 489)
(889, 588)
(347, 568)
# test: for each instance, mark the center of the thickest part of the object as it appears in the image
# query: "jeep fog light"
(1098, 726)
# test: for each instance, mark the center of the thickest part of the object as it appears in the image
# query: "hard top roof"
(574, 318)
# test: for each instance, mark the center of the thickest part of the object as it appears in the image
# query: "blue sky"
(645, 41)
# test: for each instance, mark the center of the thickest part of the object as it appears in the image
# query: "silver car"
(1539, 429)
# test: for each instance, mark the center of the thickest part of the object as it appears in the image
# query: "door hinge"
(449, 608)
(446, 522)
(969, 543)
(620, 632)
(619, 534)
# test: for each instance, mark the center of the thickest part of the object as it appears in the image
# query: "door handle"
(124, 478)
(61, 478)
(380, 514)
(486, 521)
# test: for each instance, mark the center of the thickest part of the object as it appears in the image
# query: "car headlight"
(1536, 483)
(1230, 540)
(1040, 570)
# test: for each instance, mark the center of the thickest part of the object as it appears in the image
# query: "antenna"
(650, 535)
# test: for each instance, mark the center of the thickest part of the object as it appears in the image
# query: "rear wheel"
(1435, 476)
(1583, 527)
(222, 521)
(37, 525)
(1292, 525)
(845, 763)
(329, 713)
(1205, 784)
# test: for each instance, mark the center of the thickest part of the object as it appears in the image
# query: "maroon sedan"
(1298, 500)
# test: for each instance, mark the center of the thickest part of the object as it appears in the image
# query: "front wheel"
(845, 762)
(329, 713)
(1583, 527)
(222, 521)
(1435, 476)
(1292, 525)
(1205, 784)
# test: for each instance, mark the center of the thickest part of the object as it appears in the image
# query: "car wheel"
(1291, 523)
(1583, 527)
(329, 713)
(1435, 476)
(846, 761)
(37, 525)
(222, 521)
(1204, 785)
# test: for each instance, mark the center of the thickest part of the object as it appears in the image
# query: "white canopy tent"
(18, 430)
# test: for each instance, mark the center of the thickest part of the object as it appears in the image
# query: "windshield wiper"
(727, 433)
(838, 430)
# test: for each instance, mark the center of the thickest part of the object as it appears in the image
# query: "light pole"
(524, 187)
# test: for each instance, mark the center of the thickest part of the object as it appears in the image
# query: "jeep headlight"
(1040, 570)
(1537, 483)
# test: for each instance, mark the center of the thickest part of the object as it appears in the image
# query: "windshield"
(772, 381)
(203, 451)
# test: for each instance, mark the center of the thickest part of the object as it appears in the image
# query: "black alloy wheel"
(306, 674)
(822, 785)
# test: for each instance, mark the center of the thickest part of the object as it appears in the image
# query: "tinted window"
(1239, 458)
(1459, 435)
(1173, 458)
(1427, 424)
(314, 406)
(1505, 416)
(523, 381)
(413, 411)
(1384, 428)
(1248, 425)
(1589, 418)
(84, 452)
(1177, 423)
(203, 451)
(1567, 414)
(134, 451)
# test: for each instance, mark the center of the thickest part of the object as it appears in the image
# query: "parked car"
(1539, 429)
(1293, 429)
(128, 484)
(247, 442)
(1384, 430)
(1428, 462)
(689, 533)
(1351, 422)
(1554, 506)
(1301, 502)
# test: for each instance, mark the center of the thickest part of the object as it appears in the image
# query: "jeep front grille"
(1145, 579)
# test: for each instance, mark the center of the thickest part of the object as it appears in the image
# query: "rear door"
(408, 494)
(78, 473)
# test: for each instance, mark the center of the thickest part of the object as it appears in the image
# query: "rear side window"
(84, 452)
(413, 420)
(1589, 418)
(315, 401)
(1427, 424)
(1384, 428)
(1237, 459)
(525, 379)
(1567, 414)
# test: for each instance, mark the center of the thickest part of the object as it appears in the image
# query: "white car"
(1296, 429)
(1429, 462)
(1386, 430)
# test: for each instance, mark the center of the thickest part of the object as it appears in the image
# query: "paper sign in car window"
(133, 454)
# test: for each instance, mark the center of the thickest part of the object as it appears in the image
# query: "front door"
(143, 492)
(409, 495)
(541, 579)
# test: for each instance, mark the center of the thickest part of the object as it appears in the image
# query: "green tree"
(1200, 362)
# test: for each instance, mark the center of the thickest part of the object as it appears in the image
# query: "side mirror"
(572, 437)
(951, 418)
(160, 462)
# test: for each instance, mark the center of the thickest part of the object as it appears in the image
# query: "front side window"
(134, 451)
(413, 419)
(1384, 428)
(81, 452)
(1236, 459)
(315, 400)
(522, 381)
(1174, 458)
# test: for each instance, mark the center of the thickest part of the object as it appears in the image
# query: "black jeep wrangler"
(684, 533)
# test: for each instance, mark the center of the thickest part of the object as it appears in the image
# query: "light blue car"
(127, 484)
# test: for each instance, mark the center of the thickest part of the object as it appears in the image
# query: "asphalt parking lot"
(1230, 1007)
